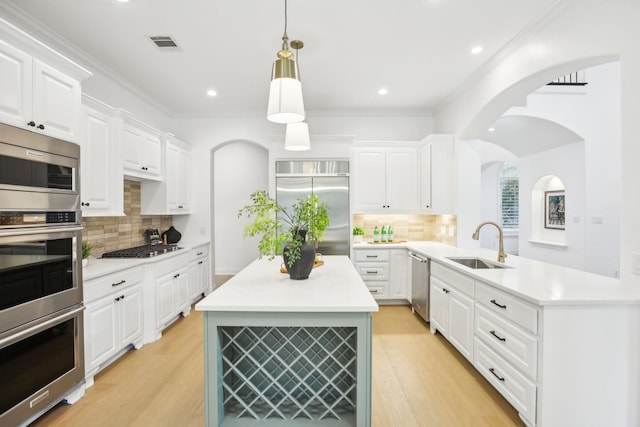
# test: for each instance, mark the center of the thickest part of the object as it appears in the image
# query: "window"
(509, 205)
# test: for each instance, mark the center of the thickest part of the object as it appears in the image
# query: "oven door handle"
(41, 230)
(39, 327)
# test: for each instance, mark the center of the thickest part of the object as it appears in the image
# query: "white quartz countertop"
(335, 286)
(535, 281)
(97, 267)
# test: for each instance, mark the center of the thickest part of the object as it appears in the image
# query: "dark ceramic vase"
(301, 268)
(172, 235)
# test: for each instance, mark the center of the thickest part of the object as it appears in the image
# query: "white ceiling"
(418, 49)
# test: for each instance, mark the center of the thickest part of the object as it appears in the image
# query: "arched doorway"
(238, 168)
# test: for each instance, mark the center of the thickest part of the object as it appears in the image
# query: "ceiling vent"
(164, 42)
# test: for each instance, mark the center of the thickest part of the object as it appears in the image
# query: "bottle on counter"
(389, 234)
(376, 235)
(383, 234)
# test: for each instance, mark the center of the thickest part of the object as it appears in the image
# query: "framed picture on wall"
(554, 206)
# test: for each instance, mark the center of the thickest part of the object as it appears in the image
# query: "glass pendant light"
(285, 94)
(296, 137)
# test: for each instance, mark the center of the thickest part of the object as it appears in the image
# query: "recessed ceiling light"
(476, 50)
(491, 129)
(212, 92)
(382, 91)
(122, 1)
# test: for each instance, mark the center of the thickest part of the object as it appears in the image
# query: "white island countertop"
(538, 282)
(335, 286)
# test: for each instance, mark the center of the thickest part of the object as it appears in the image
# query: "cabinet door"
(100, 331)
(182, 292)
(402, 179)
(15, 86)
(461, 317)
(166, 305)
(132, 150)
(56, 102)
(439, 306)
(177, 172)
(151, 154)
(398, 273)
(97, 163)
(204, 278)
(130, 308)
(425, 178)
(369, 179)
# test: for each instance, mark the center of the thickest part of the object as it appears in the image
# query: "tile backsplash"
(111, 233)
(438, 228)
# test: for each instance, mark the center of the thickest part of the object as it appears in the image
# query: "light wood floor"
(418, 380)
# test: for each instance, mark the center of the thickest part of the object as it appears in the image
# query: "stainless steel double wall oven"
(41, 347)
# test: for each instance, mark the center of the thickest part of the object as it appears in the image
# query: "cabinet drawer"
(372, 255)
(373, 271)
(378, 289)
(452, 278)
(514, 345)
(517, 389)
(508, 306)
(102, 286)
(199, 252)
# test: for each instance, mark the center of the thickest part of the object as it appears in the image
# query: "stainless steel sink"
(477, 263)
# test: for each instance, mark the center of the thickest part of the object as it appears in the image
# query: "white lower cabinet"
(384, 271)
(113, 318)
(494, 330)
(199, 276)
(167, 291)
(452, 312)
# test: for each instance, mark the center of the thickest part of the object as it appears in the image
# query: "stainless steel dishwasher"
(420, 274)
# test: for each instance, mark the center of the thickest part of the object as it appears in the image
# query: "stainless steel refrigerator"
(329, 180)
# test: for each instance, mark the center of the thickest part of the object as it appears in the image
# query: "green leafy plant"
(86, 249)
(307, 217)
(358, 231)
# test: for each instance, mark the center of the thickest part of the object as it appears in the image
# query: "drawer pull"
(199, 253)
(200, 262)
(373, 291)
(372, 271)
(372, 256)
(499, 305)
(176, 276)
(497, 336)
(120, 297)
(493, 371)
(445, 290)
(121, 282)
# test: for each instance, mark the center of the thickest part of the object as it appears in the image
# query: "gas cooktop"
(145, 251)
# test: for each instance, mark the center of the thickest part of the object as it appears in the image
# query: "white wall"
(567, 164)
(239, 169)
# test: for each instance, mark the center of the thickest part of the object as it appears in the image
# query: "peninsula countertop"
(538, 282)
(335, 286)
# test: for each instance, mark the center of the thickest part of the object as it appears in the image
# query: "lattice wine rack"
(287, 373)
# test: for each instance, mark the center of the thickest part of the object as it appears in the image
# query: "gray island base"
(281, 352)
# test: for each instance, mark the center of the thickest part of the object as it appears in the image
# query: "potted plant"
(86, 251)
(306, 223)
(358, 234)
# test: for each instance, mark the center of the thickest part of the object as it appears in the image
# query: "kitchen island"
(289, 352)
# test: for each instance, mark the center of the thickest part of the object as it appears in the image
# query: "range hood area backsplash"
(111, 233)
(437, 228)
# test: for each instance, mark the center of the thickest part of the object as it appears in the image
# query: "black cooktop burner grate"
(145, 251)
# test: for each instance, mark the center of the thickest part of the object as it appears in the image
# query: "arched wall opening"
(238, 168)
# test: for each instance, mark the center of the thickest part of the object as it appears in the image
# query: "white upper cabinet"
(425, 178)
(177, 176)
(142, 150)
(387, 179)
(170, 196)
(438, 198)
(38, 97)
(101, 161)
